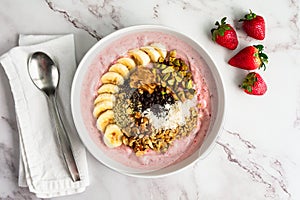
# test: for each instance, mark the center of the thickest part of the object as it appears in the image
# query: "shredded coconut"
(172, 115)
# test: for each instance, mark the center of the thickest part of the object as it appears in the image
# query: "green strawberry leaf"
(249, 81)
(262, 56)
(226, 27)
(223, 20)
(259, 47)
(214, 35)
(248, 16)
(249, 88)
(220, 29)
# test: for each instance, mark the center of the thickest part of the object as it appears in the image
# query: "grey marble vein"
(156, 11)
(76, 23)
(259, 166)
(11, 123)
(9, 174)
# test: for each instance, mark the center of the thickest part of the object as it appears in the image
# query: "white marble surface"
(257, 155)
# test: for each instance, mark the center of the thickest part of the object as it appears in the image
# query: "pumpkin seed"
(165, 78)
(189, 84)
(178, 78)
(162, 66)
(164, 84)
(171, 81)
(168, 70)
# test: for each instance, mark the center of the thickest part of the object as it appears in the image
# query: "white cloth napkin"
(41, 166)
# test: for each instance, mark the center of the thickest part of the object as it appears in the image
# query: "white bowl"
(213, 80)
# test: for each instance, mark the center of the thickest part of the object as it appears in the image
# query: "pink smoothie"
(183, 147)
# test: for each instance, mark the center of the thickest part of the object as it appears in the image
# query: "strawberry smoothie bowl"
(147, 101)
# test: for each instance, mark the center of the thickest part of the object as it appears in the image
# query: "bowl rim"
(218, 123)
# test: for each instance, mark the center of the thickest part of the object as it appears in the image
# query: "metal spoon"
(45, 75)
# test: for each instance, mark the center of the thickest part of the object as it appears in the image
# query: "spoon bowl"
(43, 72)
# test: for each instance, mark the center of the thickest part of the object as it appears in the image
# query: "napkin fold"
(41, 166)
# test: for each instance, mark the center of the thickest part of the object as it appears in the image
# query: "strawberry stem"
(248, 16)
(223, 21)
(262, 56)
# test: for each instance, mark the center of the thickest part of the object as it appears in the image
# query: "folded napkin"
(42, 167)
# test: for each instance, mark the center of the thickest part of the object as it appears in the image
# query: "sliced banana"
(160, 48)
(153, 54)
(105, 118)
(105, 97)
(113, 78)
(140, 57)
(113, 136)
(101, 107)
(128, 62)
(120, 69)
(108, 88)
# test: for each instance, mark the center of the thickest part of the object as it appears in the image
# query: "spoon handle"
(63, 140)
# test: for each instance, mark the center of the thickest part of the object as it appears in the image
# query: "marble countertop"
(257, 154)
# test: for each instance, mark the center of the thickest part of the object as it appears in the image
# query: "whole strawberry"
(254, 84)
(224, 35)
(250, 58)
(254, 25)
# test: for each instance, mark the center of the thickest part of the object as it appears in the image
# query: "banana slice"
(113, 136)
(105, 118)
(101, 107)
(120, 69)
(153, 54)
(105, 97)
(108, 88)
(113, 78)
(160, 48)
(128, 62)
(140, 57)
